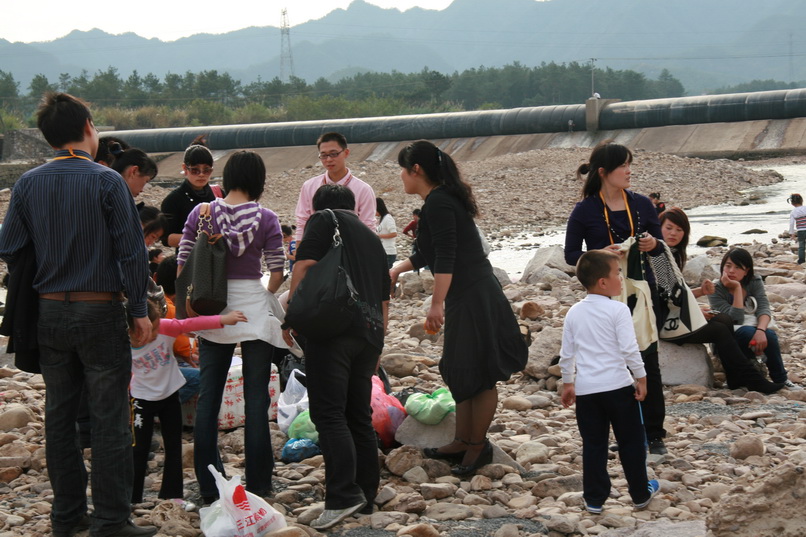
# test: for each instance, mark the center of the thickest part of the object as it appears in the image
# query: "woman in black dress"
(482, 341)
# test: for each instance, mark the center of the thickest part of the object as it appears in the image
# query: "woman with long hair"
(482, 342)
(197, 167)
(387, 231)
(608, 215)
(253, 237)
(739, 371)
(740, 293)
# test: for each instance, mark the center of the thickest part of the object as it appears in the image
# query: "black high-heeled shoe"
(484, 458)
(434, 453)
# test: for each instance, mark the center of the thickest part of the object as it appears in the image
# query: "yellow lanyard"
(607, 216)
(72, 155)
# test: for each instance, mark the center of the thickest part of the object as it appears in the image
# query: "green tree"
(8, 90)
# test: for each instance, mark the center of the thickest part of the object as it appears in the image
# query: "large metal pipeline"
(780, 104)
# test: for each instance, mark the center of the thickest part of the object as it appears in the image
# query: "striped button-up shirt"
(85, 228)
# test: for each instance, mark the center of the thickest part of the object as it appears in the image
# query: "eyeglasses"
(194, 170)
(325, 156)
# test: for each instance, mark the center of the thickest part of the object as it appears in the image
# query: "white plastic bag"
(238, 513)
(293, 400)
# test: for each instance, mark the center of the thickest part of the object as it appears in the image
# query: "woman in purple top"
(607, 216)
(253, 237)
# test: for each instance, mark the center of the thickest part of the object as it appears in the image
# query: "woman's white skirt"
(263, 311)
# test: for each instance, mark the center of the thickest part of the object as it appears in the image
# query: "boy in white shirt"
(599, 346)
(797, 225)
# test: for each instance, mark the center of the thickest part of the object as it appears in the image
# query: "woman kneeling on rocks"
(739, 371)
(482, 341)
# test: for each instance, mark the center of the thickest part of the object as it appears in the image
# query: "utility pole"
(593, 67)
(286, 59)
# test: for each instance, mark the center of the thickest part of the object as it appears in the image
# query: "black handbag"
(201, 287)
(325, 303)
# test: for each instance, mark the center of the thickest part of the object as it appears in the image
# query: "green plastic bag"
(430, 408)
(303, 427)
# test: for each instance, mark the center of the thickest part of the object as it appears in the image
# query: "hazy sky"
(168, 20)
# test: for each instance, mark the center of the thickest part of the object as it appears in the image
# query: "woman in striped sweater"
(252, 234)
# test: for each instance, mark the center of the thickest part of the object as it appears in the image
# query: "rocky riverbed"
(736, 458)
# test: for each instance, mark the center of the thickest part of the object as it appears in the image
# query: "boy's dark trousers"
(596, 412)
(169, 412)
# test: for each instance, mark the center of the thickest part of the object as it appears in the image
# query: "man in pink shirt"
(333, 153)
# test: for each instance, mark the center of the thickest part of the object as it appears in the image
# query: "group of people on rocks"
(604, 340)
(109, 343)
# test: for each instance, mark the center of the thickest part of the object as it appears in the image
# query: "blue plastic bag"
(297, 449)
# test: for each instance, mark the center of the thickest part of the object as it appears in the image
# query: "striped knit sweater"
(251, 233)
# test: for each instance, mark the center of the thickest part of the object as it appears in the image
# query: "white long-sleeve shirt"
(797, 219)
(599, 347)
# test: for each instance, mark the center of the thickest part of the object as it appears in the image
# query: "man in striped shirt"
(81, 220)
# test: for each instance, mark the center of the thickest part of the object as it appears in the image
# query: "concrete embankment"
(746, 139)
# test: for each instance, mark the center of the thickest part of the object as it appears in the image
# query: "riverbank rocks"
(545, 347)
(703, 475)
(747, 446)
(685, 364)
(551, 257)
(770, 506)
(699, 268)
(14, 416)
(709, 241)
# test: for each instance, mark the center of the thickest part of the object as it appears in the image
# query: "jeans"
(87, 344)
(775, 363)
(339, 377)
(596, 412)
(390, 259)
(169, 412)
(801, 245)
(192, 382)
(215, 359)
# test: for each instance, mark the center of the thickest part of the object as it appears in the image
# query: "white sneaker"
(789, 385)
(331, 517)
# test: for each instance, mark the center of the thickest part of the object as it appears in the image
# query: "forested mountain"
(705, 44)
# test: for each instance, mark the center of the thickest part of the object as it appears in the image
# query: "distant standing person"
(80, 218)
(599, 351)
(333, 153)
(659, 205)
(387, 231)
(411, 228)
(197, 167)
(797, 223)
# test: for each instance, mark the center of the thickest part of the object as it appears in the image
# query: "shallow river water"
(769, 212)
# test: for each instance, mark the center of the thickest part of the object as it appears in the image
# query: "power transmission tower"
(286, 59)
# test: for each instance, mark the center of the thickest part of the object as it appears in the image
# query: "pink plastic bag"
(387, 413)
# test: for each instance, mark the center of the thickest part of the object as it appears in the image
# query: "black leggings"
(169, 411)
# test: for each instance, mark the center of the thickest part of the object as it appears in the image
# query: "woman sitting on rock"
(740, 293)
(482, 341)
(739, 371)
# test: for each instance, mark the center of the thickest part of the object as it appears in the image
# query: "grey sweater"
(722, 301)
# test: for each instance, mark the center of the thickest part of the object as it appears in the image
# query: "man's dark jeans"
(87, 343)
(339, 378)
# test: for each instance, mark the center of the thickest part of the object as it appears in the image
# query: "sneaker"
(593, 509)
(789, 385)
(653, 487)
(331, 517)
(657, 447)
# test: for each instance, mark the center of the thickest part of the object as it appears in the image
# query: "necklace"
(611, 232)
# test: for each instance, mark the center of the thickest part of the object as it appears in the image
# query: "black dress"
(483, 343)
